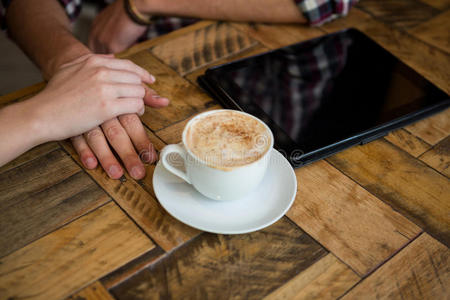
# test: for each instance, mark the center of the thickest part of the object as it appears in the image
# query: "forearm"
(19, 131)
(42, 30)
(283, 11)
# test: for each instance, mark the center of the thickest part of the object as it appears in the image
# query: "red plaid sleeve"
(318, 12)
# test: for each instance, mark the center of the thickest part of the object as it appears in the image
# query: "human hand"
(89, 91)
(113, 31)
(121, 133)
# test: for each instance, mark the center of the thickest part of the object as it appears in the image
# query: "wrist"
(25, 122)
(69, 53)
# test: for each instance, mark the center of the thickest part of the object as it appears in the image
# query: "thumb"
(152, 99)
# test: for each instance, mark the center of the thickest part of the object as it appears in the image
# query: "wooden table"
(370, 222)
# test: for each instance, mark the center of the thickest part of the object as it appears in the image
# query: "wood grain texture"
(439, 4)
(406, 184)
(145, 210)
(439, 157)
(173, 133)
(185, 98)
(432, 129)
(257, 49)
(279, 35)
(39, 212)
(201, 47)
(247, 266)
(95, 291)
(146, 45)
(34, 176)
(434, 65)
(436, 31)
(399, 13)
(34, 153)
(72, 257)
(354, 225)
(326, 279)
(356, 18)
(133, 267)
(420, 271)
(408, 142)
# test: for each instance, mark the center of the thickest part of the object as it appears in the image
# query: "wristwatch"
(136, 15)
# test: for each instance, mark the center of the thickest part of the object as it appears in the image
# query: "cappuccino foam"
(227, 139)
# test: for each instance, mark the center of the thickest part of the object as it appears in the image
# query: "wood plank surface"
(326, 279)
(185, 98)
(130, 269)
(72, 257)
(436, 31)
(433, 65)
(201, 47)
(146, 45)
(432, 129)
(274, 36)
(439, 157)
(408, 142)
(420, 271)
(399, 13)
(34, 153)
(34, 176)
(247, 266)
(257, 49)
(406, 184)
(145, 210)
(439, 4)
(38, 213)
(354, 225)
(95, 291)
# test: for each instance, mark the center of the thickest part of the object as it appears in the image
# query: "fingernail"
(114, 171)
(137, 172)
(89, 163)
(152, 78)
(145, 156)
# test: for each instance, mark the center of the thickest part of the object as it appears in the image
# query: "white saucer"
(263, 207)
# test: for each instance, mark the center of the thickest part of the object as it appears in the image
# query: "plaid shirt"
(316, 12)
(301, 85)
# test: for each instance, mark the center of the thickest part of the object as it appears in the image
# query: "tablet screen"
(326, 90)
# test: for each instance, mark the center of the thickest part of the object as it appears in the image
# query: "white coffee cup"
(214, 181)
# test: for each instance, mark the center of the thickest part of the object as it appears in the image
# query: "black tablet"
(325, 94)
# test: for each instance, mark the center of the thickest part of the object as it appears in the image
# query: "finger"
(123, 106)
(127, 90)
(123, 76)
(97, 142)
(136, 131)
(120, 141)
(123, 64)
(85, 153)
(152, 98)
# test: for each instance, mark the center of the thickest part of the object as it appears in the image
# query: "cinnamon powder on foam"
(227, 139)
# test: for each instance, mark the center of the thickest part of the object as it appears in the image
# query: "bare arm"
(273, 11)
(42, 30)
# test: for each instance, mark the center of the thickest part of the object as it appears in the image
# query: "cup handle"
(175, 148)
